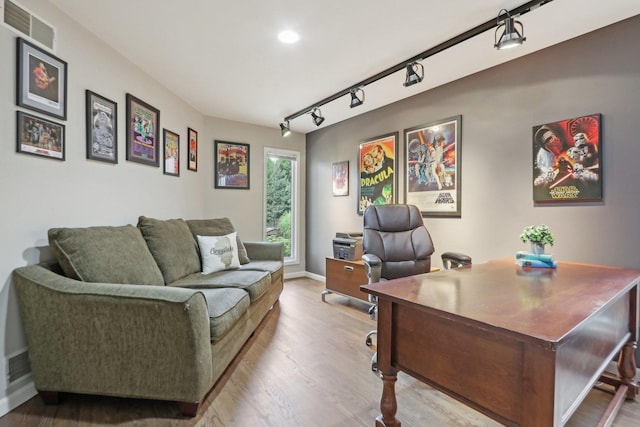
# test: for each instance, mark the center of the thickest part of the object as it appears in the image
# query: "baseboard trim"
(17, 398)
(315, 276)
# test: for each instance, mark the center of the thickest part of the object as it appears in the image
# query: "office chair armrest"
(373, 267)
(455, 260)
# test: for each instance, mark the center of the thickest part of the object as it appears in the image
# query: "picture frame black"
(192, 150)
(41, 80)
(567, 160)
(171, 145)
(40, 137)
(231, 165)
(433, 167)
(102, 128)
(143, 131)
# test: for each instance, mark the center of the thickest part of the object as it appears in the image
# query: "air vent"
(22, 21)
(19, 366)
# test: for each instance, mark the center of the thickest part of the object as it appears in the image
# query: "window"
(281, 198)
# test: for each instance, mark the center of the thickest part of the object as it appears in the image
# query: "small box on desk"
(348, 246)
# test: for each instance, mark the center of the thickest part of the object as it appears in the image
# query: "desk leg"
(624, 383)
(627, 369)
(388, 373)
(388, 404)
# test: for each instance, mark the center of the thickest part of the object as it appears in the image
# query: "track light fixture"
(355, 100)
(316, 114)
(510, 36)
(284, 129)
(415, 74)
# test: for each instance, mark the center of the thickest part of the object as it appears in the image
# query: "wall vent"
(19, 366)
(24, 22)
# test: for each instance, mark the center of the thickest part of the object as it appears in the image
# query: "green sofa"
(126, 311)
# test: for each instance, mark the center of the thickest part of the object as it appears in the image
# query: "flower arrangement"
(538, 234)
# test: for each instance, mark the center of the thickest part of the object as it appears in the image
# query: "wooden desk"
(522, 347)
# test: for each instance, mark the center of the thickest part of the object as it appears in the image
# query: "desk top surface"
(542, 303)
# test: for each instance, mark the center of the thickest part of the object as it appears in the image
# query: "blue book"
(536, 257)
(534, 263)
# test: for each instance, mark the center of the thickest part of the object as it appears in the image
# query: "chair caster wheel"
(368, 342)
(374, 367)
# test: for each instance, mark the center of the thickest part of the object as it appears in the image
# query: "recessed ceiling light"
(288, 36)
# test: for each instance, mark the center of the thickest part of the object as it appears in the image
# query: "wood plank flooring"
(307, 365)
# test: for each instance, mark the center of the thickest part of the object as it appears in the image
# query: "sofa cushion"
(105, 254)
(218, 253)
(217, 227)
(263, 265)
(172, 246)
(225, 306)
(255, 283)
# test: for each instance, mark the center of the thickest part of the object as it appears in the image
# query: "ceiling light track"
(493, 23)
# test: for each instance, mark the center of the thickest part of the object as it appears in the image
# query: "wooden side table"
(345, 277)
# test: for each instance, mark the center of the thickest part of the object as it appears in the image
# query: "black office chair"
(396, 244)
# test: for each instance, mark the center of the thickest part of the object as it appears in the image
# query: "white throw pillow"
(218, 253)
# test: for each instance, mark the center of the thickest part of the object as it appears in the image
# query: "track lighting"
(316, 114)
(284, 129)
(415, 74)
(510, 36)
(355, 100)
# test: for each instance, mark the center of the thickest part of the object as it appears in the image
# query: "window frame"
(294, 156)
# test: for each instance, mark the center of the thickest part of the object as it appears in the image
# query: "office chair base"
(368, 341)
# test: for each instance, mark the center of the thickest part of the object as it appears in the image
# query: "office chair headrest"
(392, 218)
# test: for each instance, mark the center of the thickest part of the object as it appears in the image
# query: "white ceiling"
(224, 58)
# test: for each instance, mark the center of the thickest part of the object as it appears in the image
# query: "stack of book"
(527, 259)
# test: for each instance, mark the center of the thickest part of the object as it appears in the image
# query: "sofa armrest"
(265, 251)
(122, 340)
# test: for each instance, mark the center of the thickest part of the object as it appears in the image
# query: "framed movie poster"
(42, 81)
(171, 152)
(566, 160)
(231, 165)
(143, 130)
(432, 172)
(192, 162)
(102, 129)
(340, 178)
(40, 137)
(377, 167)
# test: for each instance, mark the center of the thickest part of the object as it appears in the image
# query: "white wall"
(37, 193)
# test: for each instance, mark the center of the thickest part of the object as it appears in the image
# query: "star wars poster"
(566, 160)
(432, 154)
(377, 167)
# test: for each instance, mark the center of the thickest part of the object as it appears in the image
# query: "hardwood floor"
(307, 365)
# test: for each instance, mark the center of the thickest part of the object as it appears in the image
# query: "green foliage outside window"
(279, 203)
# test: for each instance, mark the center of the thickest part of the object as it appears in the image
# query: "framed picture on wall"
(377, 166)
(192, 155)
(102, 128)
(567, 163)
(143, 130)
(40, 137)
(231, 161)
(432, 167)
(41, 81)
(171, 143)
(340, 178)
